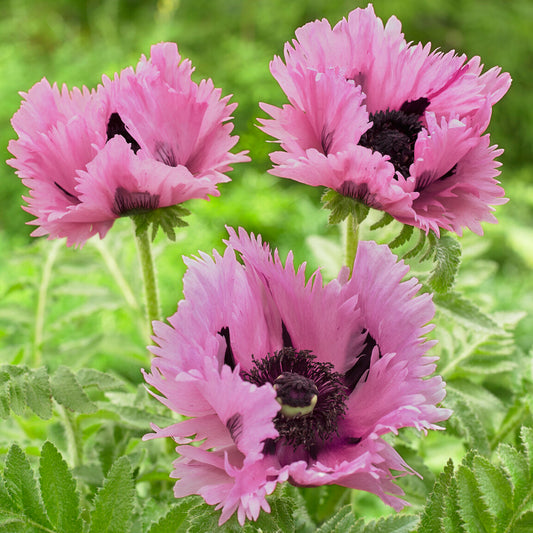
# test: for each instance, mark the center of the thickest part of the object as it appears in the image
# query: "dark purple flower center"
(394, 133)
(311, 394)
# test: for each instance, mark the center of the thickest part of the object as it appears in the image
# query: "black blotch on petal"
(116, 126)
(415, 107)
(269, 447)
(353, 440)
(362, 364)
(229, 358)
(287, 341)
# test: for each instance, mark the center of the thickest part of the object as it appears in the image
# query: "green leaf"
(113, 503)
(89, 377)
(5, 397)
(432, 240)
(167, 218)
(342, 206)
(417, 248)
(303, 522)
(22, 488)
(175, 521)
(402, 237)
(517, 468)
(526, 435)
(68, 392)
(495, 489)
(482, 496)
(524, 524)
(382, 222)
(472, 508)
(343, 520)
(6, 503)
(324, 501)
(440, 514)
(39, 393)
(58, 490)
(388, 524)
(133, 416)
(447, 260)
(451, 520)
(281, 516)
(462, 308)
(204, 518)
(466, 422)
(17, 389)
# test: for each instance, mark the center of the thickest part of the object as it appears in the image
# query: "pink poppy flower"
(405, 90)
(150, 138)
(285, 379)
(59, 133)
(167, 118)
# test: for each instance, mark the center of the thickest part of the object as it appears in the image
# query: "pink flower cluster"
(149, 138)
(277, 377)
(388, 123)
(287, 379)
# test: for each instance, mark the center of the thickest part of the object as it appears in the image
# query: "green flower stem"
(151, 292)
(41, 303)
(352, 238)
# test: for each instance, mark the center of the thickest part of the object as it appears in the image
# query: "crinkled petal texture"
(174, 120)
(117, 183)
(370, 328)
(361, 84)
(60, 132)
(390, 70)
(148, 138)
(454, 172)
(319, 132)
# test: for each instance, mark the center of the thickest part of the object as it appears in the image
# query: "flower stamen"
(311, 394)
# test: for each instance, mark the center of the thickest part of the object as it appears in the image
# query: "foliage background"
(80, 318)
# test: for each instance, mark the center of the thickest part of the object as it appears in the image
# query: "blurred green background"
(232, 41)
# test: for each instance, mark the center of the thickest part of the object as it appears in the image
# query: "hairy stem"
(41, 303)
(151, 292)
(352, 238)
